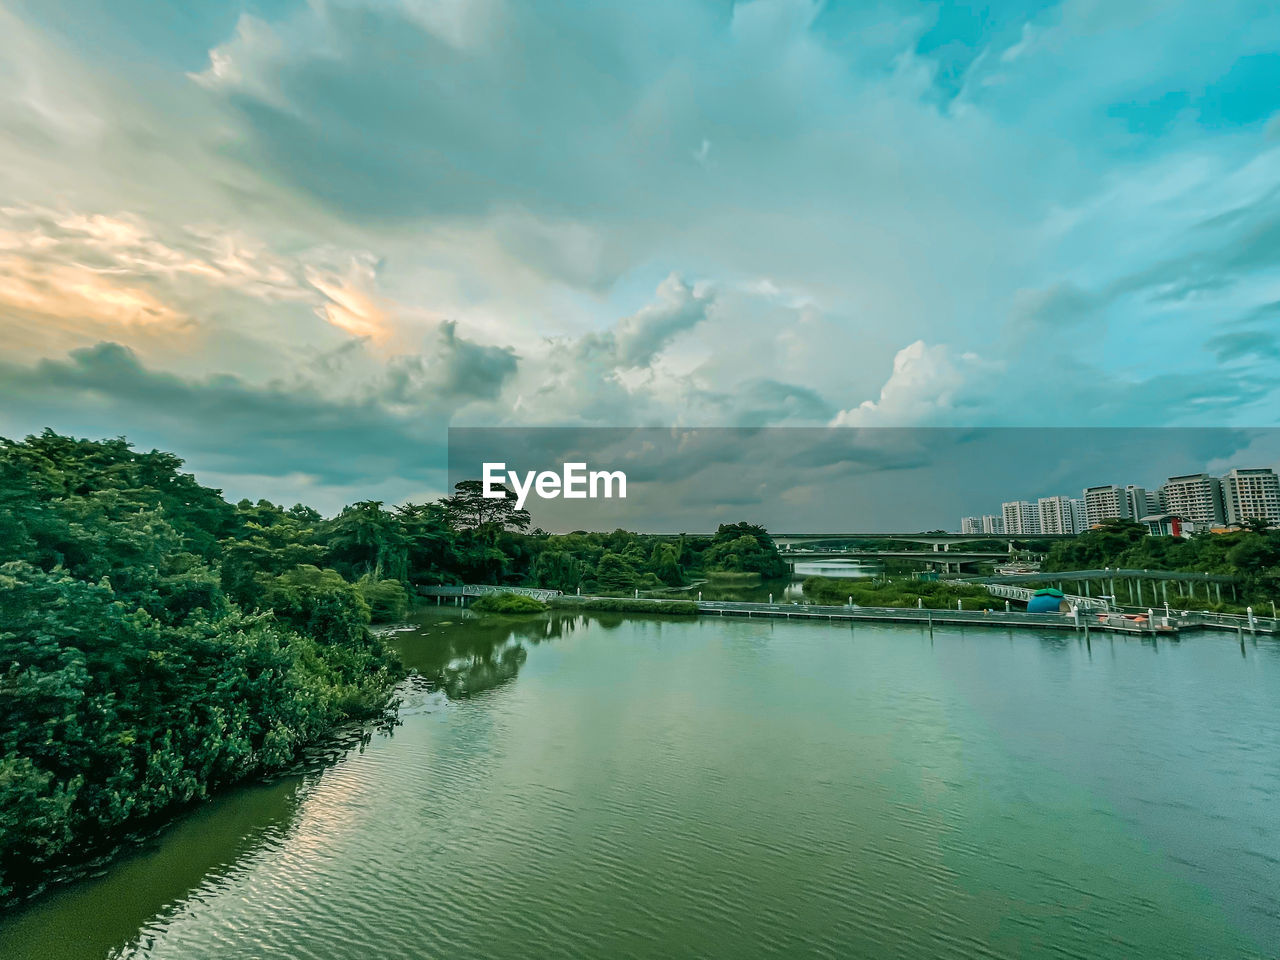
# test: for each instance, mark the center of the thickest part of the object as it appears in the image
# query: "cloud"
(446, 212)
(390, 437)
(933, 385)
(1237, 346)
(928, 384)
(63, 292)
(349, 302)
(454, 371)
(638, 339)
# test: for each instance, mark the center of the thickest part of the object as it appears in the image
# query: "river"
(651, 788)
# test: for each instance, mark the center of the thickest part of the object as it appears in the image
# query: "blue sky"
(296, 241)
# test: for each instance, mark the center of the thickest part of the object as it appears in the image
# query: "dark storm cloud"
(220, 423)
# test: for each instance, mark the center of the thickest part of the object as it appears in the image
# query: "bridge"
(939, 541)
(455, 591)
(1097, 582)
(948, 560)
(1024, 595)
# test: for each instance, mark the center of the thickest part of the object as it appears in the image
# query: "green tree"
(470, 509)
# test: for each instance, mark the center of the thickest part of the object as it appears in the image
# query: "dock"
(1124, 622)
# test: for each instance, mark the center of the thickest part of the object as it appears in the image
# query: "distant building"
(1168, 525)
(1107, 502)
(1056, 515)
(1021, 517)
(1142, 502)
(1079, 518)
(992, 524)
(1196, 497)
(970, 525)
(1249, 494)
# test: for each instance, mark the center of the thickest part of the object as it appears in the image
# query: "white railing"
(1023, 594)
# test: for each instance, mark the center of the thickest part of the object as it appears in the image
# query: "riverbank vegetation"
(905, 592)
(510, 603)
(623, 605)
(158, 642)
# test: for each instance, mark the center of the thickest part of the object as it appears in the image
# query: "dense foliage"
(508, 603)
(1251, 554)
(158, 642)
(624, 605)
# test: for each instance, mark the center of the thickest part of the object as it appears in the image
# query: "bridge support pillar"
(1217, 588)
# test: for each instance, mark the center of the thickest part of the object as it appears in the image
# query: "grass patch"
(508, 603)
(732, 576)
(899, 593)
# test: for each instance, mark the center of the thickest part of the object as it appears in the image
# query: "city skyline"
(1239, 494)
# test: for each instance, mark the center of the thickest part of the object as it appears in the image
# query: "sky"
(294, 242)
(833, 479)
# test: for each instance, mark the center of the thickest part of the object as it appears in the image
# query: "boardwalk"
(1175, 622)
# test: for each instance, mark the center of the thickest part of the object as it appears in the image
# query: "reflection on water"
(97, 917)
(463, 654)
(569, 785)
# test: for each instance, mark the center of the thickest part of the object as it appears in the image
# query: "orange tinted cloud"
(349, 305)
(70, 291)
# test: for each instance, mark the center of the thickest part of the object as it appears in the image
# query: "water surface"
(653, 788)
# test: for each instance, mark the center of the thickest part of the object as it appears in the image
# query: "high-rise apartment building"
(1056, 515)
(1020, 517)
(1142, 502)
(1251, 493)
(1079, 517)
(1196, 497)
(1107, 502)
(970, 525)
(992, 523)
